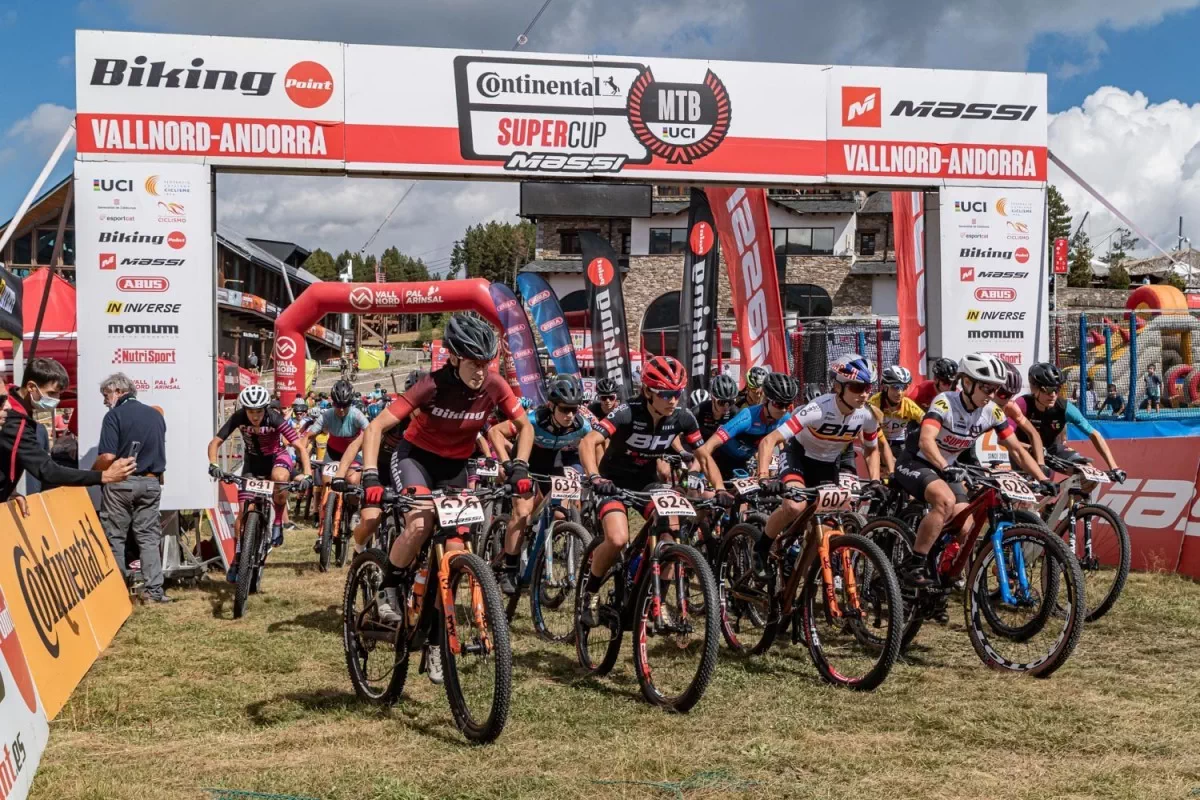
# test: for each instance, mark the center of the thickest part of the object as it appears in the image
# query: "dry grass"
(187, 699)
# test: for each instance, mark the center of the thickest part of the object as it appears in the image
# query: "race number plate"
(744, 485)
(670, 504)
(1092, 474)
(264, 488)
(565, 487)
(487, 468)
(455, 509)
(330, 470)
(848, 481)
(1015, 488)
(832, 498)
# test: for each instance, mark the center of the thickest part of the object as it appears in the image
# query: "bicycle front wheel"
(479, 676)
(555, 570)
(675, 629)
(327, 522)
(1103, 551)
(247, 562)
(747, 602)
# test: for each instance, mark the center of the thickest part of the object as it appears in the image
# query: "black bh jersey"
(636, 442)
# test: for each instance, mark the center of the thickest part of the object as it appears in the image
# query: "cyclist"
(344, 422)
(1006, 399)
(558, 428)
(752, 395)
(945, 375)
(718, 408)
(900, 413)
(1049, 414)
(817, 437)
(606, 400)
(735, 442)
(638, 433)
(953, 422)
(264, 431)
(454, 403)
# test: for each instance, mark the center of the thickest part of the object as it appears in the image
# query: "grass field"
(187, 699)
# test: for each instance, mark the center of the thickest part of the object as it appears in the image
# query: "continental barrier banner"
(23, 727)
(65, 594)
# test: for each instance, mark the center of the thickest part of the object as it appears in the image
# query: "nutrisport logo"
(564, 116)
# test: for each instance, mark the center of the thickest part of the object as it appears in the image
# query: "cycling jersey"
(708, 420)
(957, 428)
(922, 393)
(342, 430)
(824, 432)
(741, 436)
(636, 441)
(896, 420)
(553, 446)
(265, 439)
(596, 410)
(452, 414)
(1053, 421)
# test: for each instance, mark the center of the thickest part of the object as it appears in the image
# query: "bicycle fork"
(444, 558)
(1002, 567)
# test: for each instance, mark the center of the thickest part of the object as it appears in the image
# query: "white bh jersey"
(825, 432)
(958, 428)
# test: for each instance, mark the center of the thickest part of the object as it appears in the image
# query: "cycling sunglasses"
(987, 388)
(672, 395)
(611, 397)
(566, 409)
(857, 387)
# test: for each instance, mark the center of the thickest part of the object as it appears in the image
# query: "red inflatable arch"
(366, 298)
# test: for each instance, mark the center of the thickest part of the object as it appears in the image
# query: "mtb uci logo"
(742, 216)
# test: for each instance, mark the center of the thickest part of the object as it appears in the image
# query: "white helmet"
(896, 375)
(254, 396)
(983, 367)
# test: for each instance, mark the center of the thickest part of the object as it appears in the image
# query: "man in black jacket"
(41, 386)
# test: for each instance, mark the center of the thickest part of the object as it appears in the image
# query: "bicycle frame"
(816, 545)
(980, 509)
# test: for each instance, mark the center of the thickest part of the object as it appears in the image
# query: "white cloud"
(47, 122)
(1143, 157)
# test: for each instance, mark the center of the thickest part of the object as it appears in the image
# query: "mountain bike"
(1024, 592)
(337, 521)
(1094, 533)
(837, 592)
(549, 559)
(475, 646)
(254, 534)
(665, 594)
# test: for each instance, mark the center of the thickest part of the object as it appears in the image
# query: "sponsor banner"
(744, 228)
(521, 347)
(908, 217)
(993, 262)
(65, 594)
(325, 335)
(606, 303)
(698, 298)
(223, 520)
(11, 298)
(23, 726)
(152, 278)
(543, 304)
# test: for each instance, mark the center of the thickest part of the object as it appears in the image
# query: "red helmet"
(664, 374)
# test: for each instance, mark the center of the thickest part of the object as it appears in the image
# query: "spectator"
(42, 385)
(132, 505)
(387, 354)
(1153, 389)
(32, 484)
(1113, 402)
(252, 359)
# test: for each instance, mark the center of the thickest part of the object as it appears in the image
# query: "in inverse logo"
(861, 107)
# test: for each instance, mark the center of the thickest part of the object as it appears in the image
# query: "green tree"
(321, 264)
(1080, 274)
(1118, 276)
(1175, 279)
(1059, 217)
(1119, 246)
(495, 251)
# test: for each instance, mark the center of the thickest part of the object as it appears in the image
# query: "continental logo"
(53, 583)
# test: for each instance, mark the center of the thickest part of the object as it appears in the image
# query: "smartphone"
(134, 449)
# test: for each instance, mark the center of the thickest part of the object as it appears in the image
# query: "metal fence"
(816, 341)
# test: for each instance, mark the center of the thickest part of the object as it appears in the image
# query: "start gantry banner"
(424, 111)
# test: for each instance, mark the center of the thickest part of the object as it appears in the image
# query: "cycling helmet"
(664, 374)
(944, 370)
(780, 388)
(412, 378)
(811, 392)
(606, 386)
(1012, 380)
(983, 367)
(565, 389)
(300, 404)
(755, 376)
(470, 337)
(254, 396)
(896, 375)
(699, 396)
(525, 402)
(1046, 375)
(342, 394)
(724, 388)
(853, 368)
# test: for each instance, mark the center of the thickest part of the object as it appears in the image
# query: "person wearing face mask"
(41, 386)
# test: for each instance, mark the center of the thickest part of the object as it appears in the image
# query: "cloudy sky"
(1126, 107)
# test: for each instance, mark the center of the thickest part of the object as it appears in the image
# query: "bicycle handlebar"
(240, 481)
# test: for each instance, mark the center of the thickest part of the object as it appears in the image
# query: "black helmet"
(781, 388)
(606, 386)
(811, 392)
(565, 389)
(724, 388)
(470, 337)
(1046, 375)
(413, 377)
(945, 370)
(342, 394)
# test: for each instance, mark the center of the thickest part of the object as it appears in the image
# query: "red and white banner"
(23, 727)
(908, 216)
(744, 228)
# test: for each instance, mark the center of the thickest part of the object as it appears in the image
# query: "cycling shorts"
(797, 467)
(914, 477)
(417, 467)
(612, 504)
(539, 467)
(260, 466)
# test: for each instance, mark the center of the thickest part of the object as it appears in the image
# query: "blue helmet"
(853, 368)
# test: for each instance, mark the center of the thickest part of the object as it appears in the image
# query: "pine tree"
(494, 251)
(1059, 217)
(1080, 274)
(321, 264)
(1118, 276)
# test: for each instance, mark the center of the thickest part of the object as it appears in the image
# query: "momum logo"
(995, 334)
(143, 330)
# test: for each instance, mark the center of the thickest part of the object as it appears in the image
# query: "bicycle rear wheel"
(1037, 634)
(853, 627)
(247, 562)
(327, 522)
(746, 599)
(1107, 569)
(376, 654)
(895, 539)
(555, 571)
(341, 545)
(491, 550)
(674, 656)
(479, 677)
(597, 648)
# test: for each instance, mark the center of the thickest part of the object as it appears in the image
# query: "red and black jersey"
(452, 414)
(923, 393)
(708, 420)
(636, 441)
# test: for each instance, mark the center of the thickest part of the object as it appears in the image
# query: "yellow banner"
(370, 359)
(65, 593)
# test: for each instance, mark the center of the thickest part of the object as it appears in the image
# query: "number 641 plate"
(670, 504)
(265, 488)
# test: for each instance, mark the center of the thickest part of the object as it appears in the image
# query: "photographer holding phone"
(132, 429)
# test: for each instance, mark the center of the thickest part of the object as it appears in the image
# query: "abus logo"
(744, 231)
(176, 240)
(308, 84)
(550, 324)
(362, 298)
(108, 261)
(561, 351)
(996, 294)
(600, 271)
(540, 297)
(947, 109)
(119, 72)
(861, 107)
(285, 347)
(701, 239)
(526, 353)
(505, 306)
(151, 283)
